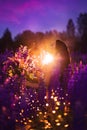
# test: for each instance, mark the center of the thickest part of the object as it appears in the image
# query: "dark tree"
(25, 38)
(82, 24)
(70, 28)
(6, 41)
(82, 31)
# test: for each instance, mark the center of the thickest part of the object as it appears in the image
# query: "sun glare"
(48, 58)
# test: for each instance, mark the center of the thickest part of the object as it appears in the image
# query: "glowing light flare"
(47, 58)
(53, 111)
(58, 124)
(66, 125)
(47, 104)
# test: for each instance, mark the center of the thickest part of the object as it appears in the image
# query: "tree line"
(75, 37)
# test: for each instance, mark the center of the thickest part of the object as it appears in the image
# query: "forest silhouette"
(75, 37)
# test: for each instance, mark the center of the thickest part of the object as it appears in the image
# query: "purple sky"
(38, 15)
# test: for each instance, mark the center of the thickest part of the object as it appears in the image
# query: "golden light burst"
(47, 58)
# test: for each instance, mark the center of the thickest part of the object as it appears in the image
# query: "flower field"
(27, 101)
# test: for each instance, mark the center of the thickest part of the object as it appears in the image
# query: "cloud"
(13, 11)
(39, 14)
